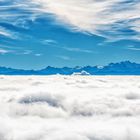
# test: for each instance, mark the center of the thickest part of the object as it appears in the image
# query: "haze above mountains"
(121, 68)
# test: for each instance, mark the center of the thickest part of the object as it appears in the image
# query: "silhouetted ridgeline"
(122, 68)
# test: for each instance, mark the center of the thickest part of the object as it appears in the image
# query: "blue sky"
(38, 33)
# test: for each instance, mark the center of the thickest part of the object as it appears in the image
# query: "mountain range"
(121, 68)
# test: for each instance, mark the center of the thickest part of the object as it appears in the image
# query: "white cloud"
(48, 42)
(38, 54)
(77, 50)
(3, 51)
(7, 33)
(3, 33)
(27, 52)
(63, 57)
(69, 108)
(134, 49)
(94, 16)
(107, 18)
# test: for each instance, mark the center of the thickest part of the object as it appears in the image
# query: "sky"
(35, 34)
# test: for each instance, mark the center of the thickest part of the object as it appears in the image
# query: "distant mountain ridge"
(121, 68)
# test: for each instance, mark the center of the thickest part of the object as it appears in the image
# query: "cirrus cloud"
(104, 18)
(111, 19)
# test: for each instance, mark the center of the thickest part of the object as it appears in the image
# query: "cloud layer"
(69, 108)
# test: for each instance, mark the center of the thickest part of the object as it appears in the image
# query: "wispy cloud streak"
(105, 18)
(78, 50)
(7, 33)
(112, 19)
(63, 57)
(3, 51)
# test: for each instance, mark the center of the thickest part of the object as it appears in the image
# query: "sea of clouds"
(69, 107)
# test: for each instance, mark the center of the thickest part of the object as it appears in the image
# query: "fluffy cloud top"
(69, 108)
